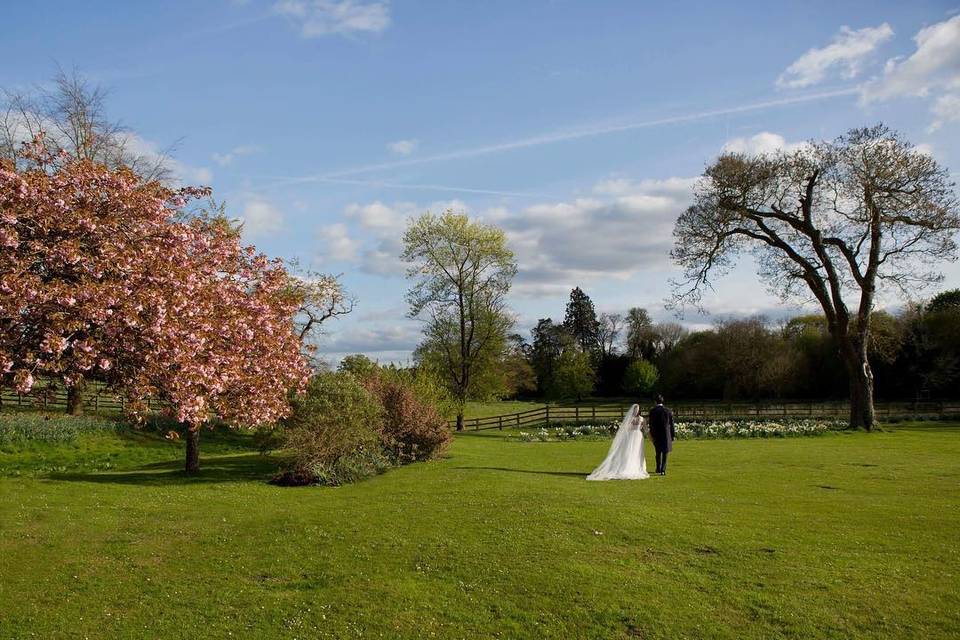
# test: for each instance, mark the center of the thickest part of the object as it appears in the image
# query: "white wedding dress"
(625, 459)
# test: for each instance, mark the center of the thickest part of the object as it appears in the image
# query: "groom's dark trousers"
(661, 460)
(662, 432)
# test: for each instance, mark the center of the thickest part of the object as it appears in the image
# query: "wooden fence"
(96, 399)
(604, 413)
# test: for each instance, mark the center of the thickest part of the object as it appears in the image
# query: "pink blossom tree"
(103, 275)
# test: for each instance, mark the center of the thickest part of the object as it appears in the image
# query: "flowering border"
(697, 430)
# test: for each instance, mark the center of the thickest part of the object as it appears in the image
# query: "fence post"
(593, 413)
(500, 423)
(96, 402)
(576, 415)
(518, 421)
(546, 410)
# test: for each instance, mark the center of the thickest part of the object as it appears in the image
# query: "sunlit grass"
(842, 535)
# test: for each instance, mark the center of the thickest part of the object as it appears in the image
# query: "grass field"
(497, 408)
(842, 535)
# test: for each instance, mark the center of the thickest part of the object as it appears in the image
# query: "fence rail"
(97, 399)
(587, 414)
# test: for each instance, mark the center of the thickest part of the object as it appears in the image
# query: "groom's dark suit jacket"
(662, 431)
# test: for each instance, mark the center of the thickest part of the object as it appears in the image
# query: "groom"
(662, 432)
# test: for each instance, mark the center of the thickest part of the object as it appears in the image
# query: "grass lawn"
(843, 535)
(497, 408)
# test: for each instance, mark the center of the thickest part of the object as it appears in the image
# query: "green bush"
(334, 421)
(640, 378)
(351, 468)
(349, 426)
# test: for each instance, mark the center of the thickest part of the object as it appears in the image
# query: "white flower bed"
(706, 430)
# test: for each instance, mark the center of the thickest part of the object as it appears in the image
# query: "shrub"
(351, 468)
(412, 426)
(640, 378)
(334, 420)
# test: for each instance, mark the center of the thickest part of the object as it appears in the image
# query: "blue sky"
(577, 126)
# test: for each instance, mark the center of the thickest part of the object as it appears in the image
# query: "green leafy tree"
(640, 378)
(573, 375)
(359, 365)
(462, 271)
(519, 375)
(945, 301)
(549, 342)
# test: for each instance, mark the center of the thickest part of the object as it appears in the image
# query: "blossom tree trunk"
(193, 449)
(75, 399)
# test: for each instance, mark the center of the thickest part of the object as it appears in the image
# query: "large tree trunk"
(193, 450)
(862, 415)
(459, 419)
(75, 399)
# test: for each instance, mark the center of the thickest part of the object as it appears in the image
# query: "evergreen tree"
(581, 321)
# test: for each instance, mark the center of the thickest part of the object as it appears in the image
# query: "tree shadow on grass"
(231, 468)
(577, 474)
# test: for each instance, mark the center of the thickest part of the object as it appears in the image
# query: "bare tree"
(668, 335)
(72, 117)
(608, 332)
(323, 298)
(833, 219)
(641, 338)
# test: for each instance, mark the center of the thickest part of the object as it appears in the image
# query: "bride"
(625, 460)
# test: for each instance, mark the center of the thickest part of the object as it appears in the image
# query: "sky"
(578, 127)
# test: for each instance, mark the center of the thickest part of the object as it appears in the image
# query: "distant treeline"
(915, 354)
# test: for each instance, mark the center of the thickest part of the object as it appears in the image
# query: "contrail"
(415, 187)
(576, 134)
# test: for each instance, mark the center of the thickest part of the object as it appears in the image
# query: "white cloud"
(403, 147)
(336, 243)
(380, 217)
(260, 218)
(335, 17)
(625, 228)
(846, 53)
(224, 159)
(391, 335)
(934, 65)
(762, 143)
(945, 109)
